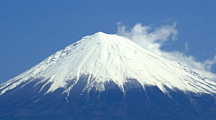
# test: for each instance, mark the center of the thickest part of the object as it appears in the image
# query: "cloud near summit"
(153, 39)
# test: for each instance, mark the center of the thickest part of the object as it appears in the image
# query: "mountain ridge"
(107, 77)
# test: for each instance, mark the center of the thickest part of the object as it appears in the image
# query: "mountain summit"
(101, 63)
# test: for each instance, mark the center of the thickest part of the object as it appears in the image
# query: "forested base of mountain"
(135, 103)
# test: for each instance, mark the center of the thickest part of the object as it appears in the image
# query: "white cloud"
(210, 62)
(153, 39)
(147, 36)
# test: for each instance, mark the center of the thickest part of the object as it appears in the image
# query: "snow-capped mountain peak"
(104, 58)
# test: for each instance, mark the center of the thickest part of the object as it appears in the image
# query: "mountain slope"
(108, 77)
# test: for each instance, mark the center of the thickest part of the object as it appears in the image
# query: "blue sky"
(30, 30)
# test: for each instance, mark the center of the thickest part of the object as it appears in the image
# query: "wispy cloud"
(153, 38)
(186, 47)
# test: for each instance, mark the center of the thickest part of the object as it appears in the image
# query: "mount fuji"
(108, 77)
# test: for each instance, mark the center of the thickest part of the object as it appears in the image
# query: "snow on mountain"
(103, 58)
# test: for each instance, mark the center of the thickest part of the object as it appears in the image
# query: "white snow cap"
(109, 57)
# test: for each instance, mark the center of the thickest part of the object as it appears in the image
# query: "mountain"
(107, 77)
